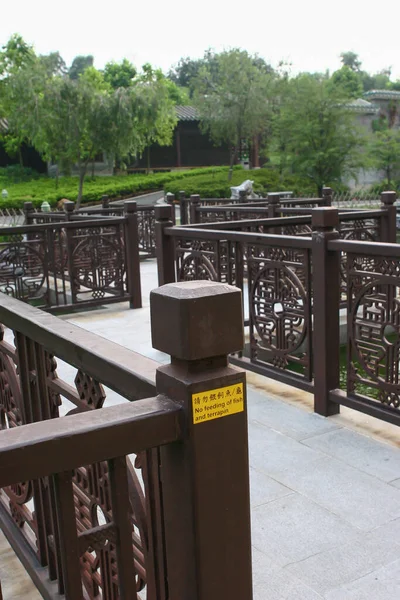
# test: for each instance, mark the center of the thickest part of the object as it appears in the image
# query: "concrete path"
(325, 495)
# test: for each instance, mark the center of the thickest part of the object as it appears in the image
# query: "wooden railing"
(294, 290)
(86, 518)
(73, 262)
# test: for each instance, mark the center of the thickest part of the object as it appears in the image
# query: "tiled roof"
(382, 95)
(361, 105)
(186, 113)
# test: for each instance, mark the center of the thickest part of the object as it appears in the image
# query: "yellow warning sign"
(218, 403)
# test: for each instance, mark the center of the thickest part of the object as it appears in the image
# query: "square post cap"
(325, 217)
(192, 320)
(388, 198)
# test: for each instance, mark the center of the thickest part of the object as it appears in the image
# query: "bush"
(216, 185)
(209, 182)
(94, 188)
(16, 174)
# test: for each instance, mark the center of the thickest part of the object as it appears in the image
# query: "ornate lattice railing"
(70, 263)
(274, 273)
(113, 501)
(32, 388)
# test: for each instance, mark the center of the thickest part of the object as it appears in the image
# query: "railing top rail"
(268, 222)
(360, 214)
(21, 229)
(236, 207)
(126, 372)
(302, 200)
(239, 236)
(59, 445)
(112, 208)
(367, 248)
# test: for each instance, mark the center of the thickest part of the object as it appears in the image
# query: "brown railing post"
(242, 196)
(132, 255)
(183, 208)
(105, 201)
(165, 249)
(194, 204)
(388, 220)
(327, 195)
(28, 212)
(205, 477)
(69, 208)
(326, 306)
(170, 199)
(273, 205)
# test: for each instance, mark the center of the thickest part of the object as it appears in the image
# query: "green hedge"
(216, 185)
(45, 188)
(209, 182)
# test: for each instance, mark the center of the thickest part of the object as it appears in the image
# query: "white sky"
(310, 34)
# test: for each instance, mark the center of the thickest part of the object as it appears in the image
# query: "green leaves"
(315, 132)
(232, 92)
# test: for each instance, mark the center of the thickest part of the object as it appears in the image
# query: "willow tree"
(71, 121)
(232, 94)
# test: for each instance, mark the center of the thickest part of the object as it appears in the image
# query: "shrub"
(114, 186)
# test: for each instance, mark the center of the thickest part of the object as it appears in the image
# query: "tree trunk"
(92, 168)
(82, 173)
(21, 160)
(389, 177)
(320, 188)
(233, 161)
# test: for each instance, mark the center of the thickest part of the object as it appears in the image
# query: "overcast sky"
(310, 34)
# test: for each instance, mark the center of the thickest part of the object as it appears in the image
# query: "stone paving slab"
(293, 528)
(272, 583)
(273, 453)
(345, 564)
(360, 499)
(380, 460)
(383, 584)
(293, 421)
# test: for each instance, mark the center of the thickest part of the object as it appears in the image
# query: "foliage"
(384, 153)
(119, 74)
(216, 185)
(209, 182)
(79, 65)
(315, 132)
(350, 60)
(185, 73)
(231, 93)
(348, 81)
(115, 187)
(71, 121)
(16, 173)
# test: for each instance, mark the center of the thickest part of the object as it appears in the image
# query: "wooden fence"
(297, 288)
(133, 500)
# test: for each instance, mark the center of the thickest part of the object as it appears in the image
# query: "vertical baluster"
(71, 583)
(121, 511)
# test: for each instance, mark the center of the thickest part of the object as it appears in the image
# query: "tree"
(349, 81)
(119, 74)
(351, 60)
(384, 153)
(79, 64)
(321, 140)
(15, 55)
(70, 121)
(232, 95)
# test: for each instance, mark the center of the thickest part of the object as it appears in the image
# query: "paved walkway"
(325, 498)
